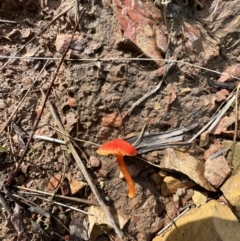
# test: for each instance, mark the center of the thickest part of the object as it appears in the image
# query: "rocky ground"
(164, 77)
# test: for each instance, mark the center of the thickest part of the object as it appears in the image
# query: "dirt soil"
(93, 96)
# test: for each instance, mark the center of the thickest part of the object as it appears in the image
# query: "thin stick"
(46, 138)
(67, 206)
(152, 91)
(74, 199)
(236, 126)
(174, 220)
(85, 173)
(215, 119)
(221, 113)
(7, 21)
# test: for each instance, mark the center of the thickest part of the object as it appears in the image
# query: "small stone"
(199, 198)
(2, 105)
(204, 139)
(221, 95)
(72, 102)
(114, 120)
(94, 161)
(217, 170)
(181, 192)
(171, 184)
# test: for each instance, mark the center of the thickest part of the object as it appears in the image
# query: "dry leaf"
(98, 223)
(138, 23)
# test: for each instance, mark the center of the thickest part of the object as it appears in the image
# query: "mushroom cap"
(117, 146)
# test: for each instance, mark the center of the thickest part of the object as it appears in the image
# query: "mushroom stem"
(127, 175)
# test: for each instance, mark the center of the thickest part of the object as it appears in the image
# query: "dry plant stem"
(174, 220)
(41, 111)
(74, 199)
(7, 21)
(73, 138)
(24, 97)
(215, 119)
(5, 206)
(67, 206)
(236, 126)
(221, 113)
(85, 173)
(127, 175)
(42, 31)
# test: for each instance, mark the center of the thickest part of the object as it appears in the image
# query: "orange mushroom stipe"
(120, 148)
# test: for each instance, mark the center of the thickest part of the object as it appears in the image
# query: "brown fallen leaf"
(98, 224)
(140, 24)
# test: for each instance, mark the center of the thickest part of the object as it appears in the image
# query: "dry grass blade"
(236, 125)
(215, 119)
(74, 199)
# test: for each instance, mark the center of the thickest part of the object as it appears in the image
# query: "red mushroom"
(120, 148)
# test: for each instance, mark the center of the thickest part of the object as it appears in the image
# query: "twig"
(24, 97)
(236, 126)
(46, 138)
(42, 31)
(7, 21)
(77, 16)
(64, 205)
(174, 220)
(144, 98)
(221, 113)
(74, 199)
(73, 138)
(85, 173)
